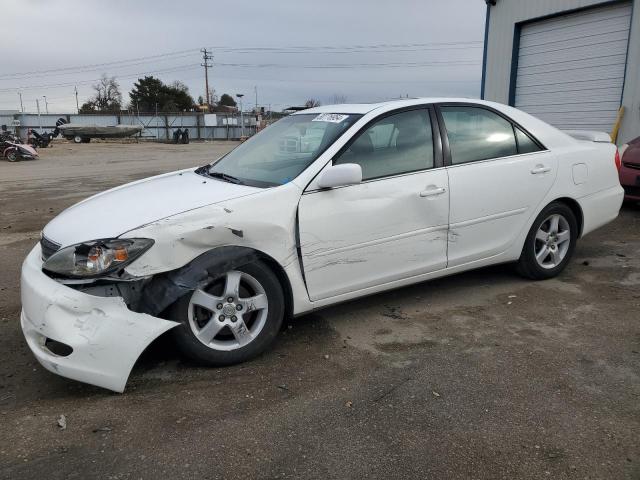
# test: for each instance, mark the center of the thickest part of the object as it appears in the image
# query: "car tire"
(550, 243)
(215, 331)
(77, 139)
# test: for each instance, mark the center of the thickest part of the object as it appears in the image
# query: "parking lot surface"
(478, 375)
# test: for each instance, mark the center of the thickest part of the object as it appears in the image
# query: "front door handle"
(432, 190)
(540, 169)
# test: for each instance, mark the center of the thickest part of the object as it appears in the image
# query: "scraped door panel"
(373, 233)
(498, 176)
(492, 202)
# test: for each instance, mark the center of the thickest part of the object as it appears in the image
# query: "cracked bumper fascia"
(107, 338)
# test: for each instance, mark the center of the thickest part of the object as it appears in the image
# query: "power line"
(309, 48)
(352, 65)
(209, 57)
(227, 49)
(256, 50)
(351, 51)
(88, 69)
(360, 81)
(86, 82)
(269, 65)
(106, 64)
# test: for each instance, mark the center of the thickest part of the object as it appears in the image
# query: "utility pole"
(77, 104)
(240, 95)
(38, 108)
(256, 90)
(206, 57)
(46, 104)
(21, 106)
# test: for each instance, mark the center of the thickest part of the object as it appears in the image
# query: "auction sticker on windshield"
(330, 117)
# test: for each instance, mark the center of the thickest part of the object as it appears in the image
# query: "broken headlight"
(97, 257)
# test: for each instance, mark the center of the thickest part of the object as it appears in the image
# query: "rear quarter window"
(525, 142)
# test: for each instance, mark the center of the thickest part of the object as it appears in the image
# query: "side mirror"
(340, 175)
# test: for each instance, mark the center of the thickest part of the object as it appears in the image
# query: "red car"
(630, 170)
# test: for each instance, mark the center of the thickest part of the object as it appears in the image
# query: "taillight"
(617, 160)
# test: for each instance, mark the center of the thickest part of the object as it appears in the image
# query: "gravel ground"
(479, 375)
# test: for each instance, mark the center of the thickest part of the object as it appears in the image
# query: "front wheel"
(12, 156)
(231, 320)
(550, 243)
(77, 139)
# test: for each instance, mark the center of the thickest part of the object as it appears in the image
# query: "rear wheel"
(231, 320)
(550, 243)
(77, 139)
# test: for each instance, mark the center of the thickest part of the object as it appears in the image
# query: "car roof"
(363, 108)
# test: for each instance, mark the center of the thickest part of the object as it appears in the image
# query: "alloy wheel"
(229, 314)
(552, 241)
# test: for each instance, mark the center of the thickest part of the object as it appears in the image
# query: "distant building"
(572, 63)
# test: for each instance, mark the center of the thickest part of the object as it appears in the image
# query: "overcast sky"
(292, 50)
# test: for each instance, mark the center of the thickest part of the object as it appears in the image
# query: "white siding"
(504, 17)
(571, 68)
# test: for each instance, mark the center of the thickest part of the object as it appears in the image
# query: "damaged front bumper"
(105, 337)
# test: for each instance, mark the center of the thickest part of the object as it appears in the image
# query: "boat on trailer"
(84, 133)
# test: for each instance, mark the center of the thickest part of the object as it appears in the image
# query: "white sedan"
(385, 195)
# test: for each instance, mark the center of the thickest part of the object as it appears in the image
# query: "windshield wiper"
(226, 177)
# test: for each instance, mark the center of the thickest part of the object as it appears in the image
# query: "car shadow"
(163, 353)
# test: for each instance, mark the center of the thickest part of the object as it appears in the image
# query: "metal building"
(572, 63)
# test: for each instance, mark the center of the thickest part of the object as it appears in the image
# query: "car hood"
(121, 209)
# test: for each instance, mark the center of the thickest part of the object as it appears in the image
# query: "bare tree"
(180, 86)
(312, 102)
(338, 98)
(213, 96)
(107, 97)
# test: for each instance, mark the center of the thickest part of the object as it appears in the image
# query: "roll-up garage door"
(571, 68)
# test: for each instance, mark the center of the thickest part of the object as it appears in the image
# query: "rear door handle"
(432, 191)
(540, 169)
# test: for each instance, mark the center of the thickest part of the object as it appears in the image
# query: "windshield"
(279, 153)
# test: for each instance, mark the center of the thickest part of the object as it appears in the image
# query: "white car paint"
(406, 236)
(491, 202)
(589, 135)
(106, 336)
(142, 202)
(353, 240)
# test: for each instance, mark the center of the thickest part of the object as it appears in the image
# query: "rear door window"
(476, 133)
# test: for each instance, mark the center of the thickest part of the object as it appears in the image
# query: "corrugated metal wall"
(506, 14)
(6, 120)
(100, 120)
(160, 127)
